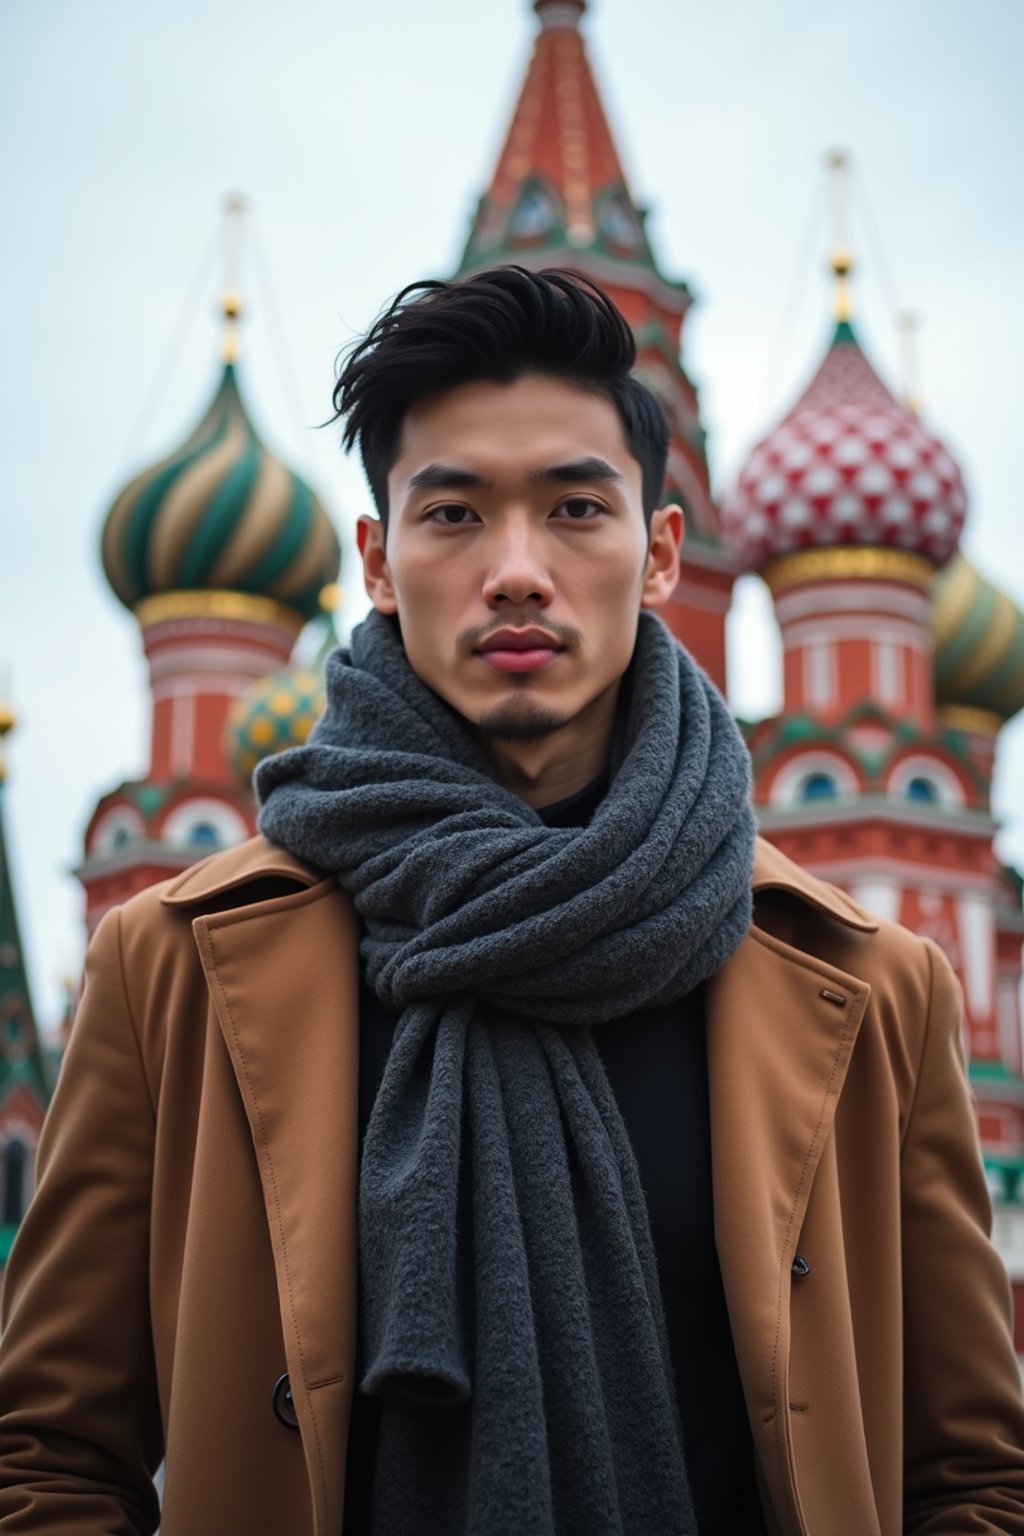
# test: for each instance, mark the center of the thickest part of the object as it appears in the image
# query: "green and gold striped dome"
(979, 642)
(275, 713)
(221, 512)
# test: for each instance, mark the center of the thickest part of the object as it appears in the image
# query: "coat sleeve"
(964, 1421)
(80, 1434)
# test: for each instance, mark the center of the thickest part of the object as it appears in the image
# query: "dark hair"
(496, 325)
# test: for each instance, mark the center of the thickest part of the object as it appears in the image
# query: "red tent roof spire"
(559, 180)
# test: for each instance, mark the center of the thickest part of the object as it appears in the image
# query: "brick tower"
(221, 553)
(872, 776)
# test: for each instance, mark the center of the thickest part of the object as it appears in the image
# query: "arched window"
(818, 786)
(116, 829)
(201, 823)
(205, 834)
(535, 215)
(926, 781)
(14, 1182)
(619, 222)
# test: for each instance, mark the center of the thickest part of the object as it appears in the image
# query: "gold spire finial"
(909, 326)
(8, 720)
(841, 261)
(231, 304)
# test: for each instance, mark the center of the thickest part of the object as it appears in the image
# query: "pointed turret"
(559, 197)
(24, 1091)
(559, 182)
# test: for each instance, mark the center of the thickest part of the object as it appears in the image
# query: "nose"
(518, 573)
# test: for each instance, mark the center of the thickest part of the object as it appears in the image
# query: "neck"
(562, 762)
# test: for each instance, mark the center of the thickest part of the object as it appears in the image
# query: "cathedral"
(901, 663)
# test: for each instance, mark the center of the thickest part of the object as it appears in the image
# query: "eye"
(580, 509)
(452, 515)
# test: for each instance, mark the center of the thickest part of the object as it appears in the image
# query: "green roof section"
(20, 1056)
(844, 335)
(1009, 1170)
(995, 1072)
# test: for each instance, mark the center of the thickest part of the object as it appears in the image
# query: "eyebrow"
(590, 468)
(445, 477)
(449, 477)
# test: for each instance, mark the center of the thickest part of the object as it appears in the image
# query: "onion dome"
(279, 711)
(979, 643)
(849, 465)
(221, 512)
(275, 713)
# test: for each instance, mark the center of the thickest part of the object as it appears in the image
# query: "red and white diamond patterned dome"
(848, 465)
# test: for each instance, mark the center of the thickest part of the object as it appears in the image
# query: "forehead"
(506, 431)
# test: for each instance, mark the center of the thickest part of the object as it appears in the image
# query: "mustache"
(517, 618)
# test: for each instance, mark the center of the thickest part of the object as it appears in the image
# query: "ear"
(376, 573)
(661, 577)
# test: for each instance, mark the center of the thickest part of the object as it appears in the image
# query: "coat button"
(284, 1406)
(801, 1267)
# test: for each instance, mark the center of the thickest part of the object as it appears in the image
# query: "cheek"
(426, 613)
(613, 582)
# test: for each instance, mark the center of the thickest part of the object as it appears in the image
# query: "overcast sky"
(362, 135)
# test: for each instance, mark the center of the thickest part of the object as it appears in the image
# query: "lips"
(519, 650)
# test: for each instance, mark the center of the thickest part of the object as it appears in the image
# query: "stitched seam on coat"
(277, 1202)
(925, 1038)
(783, 1469)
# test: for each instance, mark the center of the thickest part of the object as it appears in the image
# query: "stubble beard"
(521, 718)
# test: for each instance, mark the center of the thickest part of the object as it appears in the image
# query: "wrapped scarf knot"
(512, 1321)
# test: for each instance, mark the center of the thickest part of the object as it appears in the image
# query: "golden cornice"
(244, 607)
(971, 720)
(848, 563)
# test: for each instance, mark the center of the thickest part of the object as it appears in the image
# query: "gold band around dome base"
(217, 604)
(971, 720)
(846, 562)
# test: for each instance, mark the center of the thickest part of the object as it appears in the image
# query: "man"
(504, 1123)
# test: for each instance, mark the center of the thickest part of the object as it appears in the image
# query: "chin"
(521, 719)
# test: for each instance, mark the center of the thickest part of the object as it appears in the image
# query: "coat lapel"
(781, 1026)
(283, 978)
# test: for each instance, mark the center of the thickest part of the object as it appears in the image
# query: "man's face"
(516, 555)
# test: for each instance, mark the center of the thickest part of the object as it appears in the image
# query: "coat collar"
(258, 859)
(254, 860)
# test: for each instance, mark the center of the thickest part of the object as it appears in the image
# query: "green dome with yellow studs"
(279, 711)
(221, 512)
(275, 713)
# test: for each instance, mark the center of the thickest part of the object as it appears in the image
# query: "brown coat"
(193, 1232)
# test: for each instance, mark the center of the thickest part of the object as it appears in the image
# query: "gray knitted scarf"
(512, 1318)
